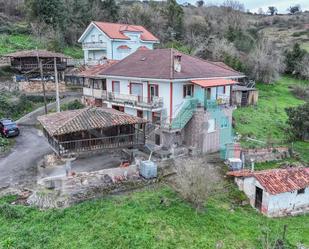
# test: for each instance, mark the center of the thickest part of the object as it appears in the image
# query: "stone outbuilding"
(276, 192)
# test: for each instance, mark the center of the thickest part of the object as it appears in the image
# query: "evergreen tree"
(50, 12)
(293, 58)
(174, 15)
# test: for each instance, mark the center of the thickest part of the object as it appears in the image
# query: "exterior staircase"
(184, 114)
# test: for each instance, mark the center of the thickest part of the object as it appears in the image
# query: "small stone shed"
(276, 192)
(92, 129)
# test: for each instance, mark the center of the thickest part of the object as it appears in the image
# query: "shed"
(276, 192)
(244, 96)
(92, 129)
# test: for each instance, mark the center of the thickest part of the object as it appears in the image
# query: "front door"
(208, 93)
(258, 198)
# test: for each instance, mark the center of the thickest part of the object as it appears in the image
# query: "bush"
(76, 104)
(298, 120)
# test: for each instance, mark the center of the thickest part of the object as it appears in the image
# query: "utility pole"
(43, 83)
(57, 85)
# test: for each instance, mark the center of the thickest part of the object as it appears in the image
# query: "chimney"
(177, 63)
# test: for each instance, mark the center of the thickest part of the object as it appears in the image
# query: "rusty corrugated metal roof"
(85, 119)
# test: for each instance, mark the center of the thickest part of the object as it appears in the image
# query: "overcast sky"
(254, 5)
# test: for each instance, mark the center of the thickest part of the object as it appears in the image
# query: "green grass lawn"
(267, 121)
(138, 220)
(13, 43)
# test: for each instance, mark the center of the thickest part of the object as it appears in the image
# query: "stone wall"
(196, 131)
(36, 87)
(266, 154)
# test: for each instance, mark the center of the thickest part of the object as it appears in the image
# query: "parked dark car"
(8, 128)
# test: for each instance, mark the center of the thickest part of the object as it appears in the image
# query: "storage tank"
(148, 169)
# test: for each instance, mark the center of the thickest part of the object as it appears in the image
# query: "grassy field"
(138, 220)
(267, 121)
(12, 43)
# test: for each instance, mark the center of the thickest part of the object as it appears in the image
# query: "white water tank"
(148, 169)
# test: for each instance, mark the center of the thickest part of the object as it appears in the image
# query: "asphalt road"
(19, 166)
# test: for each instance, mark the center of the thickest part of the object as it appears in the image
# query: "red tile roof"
(158, 64)
(84, 119)
(214, 82)
(276, 181)
(93, 71)
(116, 31)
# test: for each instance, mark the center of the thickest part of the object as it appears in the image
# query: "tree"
(293, 59)
(298, 120)
(294, 9)
(174, 15)
(200, 3)
(46, 11)
(196, 180)
(111, 10)
(272, 10)
(265, 63)
(234, 5)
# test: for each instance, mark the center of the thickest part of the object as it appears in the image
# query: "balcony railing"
(34, 66)
(130, 99)
(97, 93)
(94, 45)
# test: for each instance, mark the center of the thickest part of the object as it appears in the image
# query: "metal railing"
(101, 143)
(94, 45)
(130, 99)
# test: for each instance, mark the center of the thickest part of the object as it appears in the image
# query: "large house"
(187, 98)
(276, 192)
(114, 41)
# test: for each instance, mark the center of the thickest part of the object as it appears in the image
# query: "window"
(224, 122)
(188, 90)
(136, 89)
(100, 38)
(157, 139)
(92, 38)
(211, 125)
(156, 117)
(116, 86)
(153, 91)
(301, 191)
(140, 113)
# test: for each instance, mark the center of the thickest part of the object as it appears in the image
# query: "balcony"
(35, 67)
(133, 100)
(96, 93)
(222, 101)
(94, 45)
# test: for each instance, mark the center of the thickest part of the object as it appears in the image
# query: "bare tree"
(265, 62)
(196, 180)
(234, 5)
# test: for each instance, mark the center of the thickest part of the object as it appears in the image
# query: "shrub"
(73, 105)
(298, 120)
